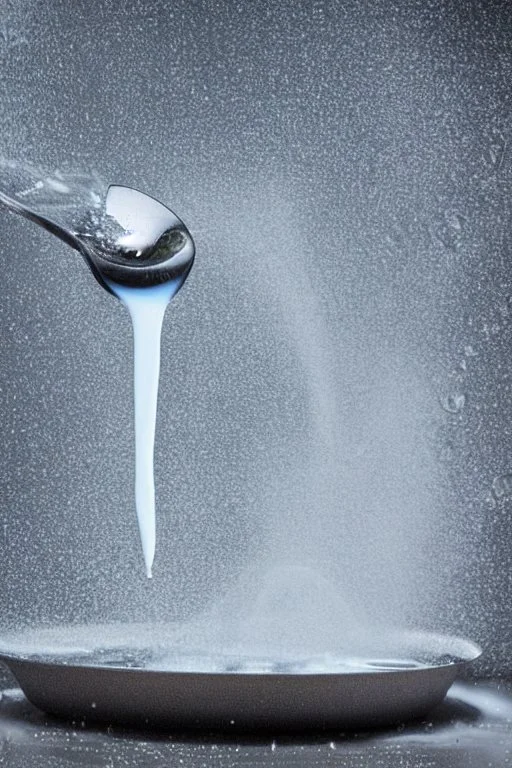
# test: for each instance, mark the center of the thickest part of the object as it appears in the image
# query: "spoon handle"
(55, 229)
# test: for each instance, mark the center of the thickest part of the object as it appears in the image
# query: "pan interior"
(166, 648)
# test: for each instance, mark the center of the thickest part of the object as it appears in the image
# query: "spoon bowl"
(132, 240)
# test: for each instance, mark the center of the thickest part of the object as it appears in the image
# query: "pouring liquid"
(147, 308)
(139, 250)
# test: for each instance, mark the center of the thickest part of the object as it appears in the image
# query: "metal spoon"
(133, 240)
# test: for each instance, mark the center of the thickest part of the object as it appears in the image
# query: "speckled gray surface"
(335, 407)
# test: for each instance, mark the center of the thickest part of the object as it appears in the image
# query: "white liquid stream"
(147, 308)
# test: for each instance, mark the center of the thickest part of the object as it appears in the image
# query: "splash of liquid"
(147, 308)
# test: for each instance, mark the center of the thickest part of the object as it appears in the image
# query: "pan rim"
(467, 652)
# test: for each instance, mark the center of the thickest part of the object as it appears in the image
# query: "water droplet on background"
(11, 36)
(453, 403)
(502, 486)
(496, 149)
(504, 308)
(449, 229)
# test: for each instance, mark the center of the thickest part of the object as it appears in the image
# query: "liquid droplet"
(496, 150)
(502, 486)
(453, 403)
(57, 185)
(449, 229)
(11, 36)
(446, 452)
(504, 308)
(490, 500)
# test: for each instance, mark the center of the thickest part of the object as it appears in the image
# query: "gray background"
(334, 437)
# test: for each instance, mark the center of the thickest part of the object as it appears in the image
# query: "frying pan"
(152, 686)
